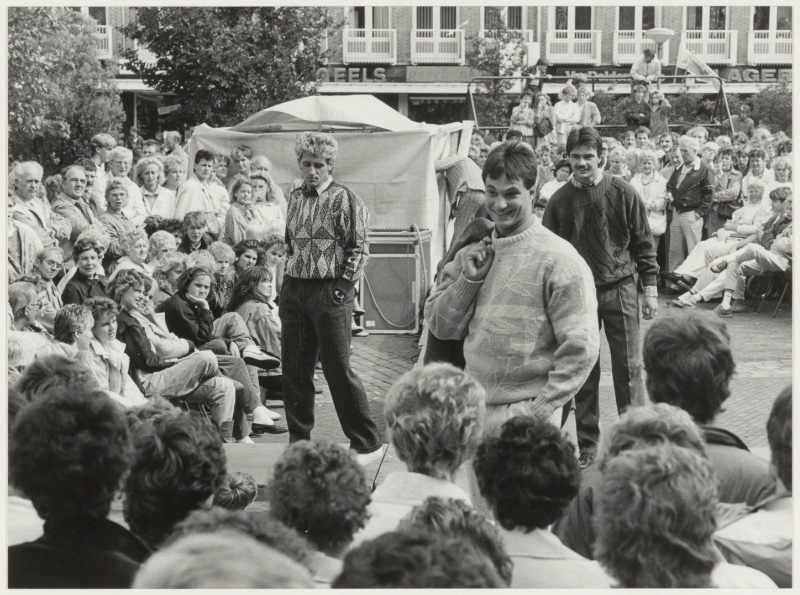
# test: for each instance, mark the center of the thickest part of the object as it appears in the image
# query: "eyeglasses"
(52, 263)
(37, 305)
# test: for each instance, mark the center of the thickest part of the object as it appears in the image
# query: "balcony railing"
(769, 47)
(526, 34)
(712, 47)
(369, 46)
(437, 46)
(629, 45)
(573, 47)
(145, 55)
(103, 35)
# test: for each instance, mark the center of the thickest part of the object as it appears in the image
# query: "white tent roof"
(342, 112)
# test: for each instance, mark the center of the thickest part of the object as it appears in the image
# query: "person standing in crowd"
(606, 220)
(241, 157)
(691, 194)
(727, 185)
(522, 117)
(567, 112)
(198, 193)
(150, 148)
(465, 190)
(172, 144)
(652, 187)
(742, 122)
(157, 200)
(71, 206)
(134, 142)
(274, 195)
(119, 164)
(659, 115)
(544, 121)
(637, 110)
(541, 334)
(316, 304)
(101, 145)
(590, 114)
(30, 210)
(756, 170)
(175, 167)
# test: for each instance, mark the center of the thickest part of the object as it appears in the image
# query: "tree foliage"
(772, 108)
(501, 52)
(59, 93)
(224, 64)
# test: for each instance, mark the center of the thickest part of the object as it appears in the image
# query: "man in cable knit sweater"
(523, 300)
(606, 221)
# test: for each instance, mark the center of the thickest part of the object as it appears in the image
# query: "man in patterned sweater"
(326, 236)
(606, 221)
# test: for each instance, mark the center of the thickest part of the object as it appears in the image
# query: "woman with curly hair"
(243, 211)
(135, 247)
(434, 416)
(166, 272)
(522, 118)
(528, 475)
(161, 242)
(175, 168)
(249, 253)
(266, 202)
(318, 489)
(158, 200)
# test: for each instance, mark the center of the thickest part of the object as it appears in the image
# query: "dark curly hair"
(125, 280)
(528, 474)
(244, 289)
(237, 492)
(689, 363)
(156, 406)
(54, 372)
(178, 465)
(513, 159)
(259, 526)
(68, 453)
(655, 519)
(416, 560)
(318, 489)
(449, 517)
(779, 435)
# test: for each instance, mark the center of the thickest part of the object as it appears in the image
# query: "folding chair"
(784, 277)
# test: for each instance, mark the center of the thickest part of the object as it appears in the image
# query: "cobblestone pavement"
(761, 346)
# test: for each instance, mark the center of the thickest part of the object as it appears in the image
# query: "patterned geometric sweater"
(323, 242)
(530, 327)
(607, 224)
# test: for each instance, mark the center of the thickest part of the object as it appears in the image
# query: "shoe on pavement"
(739, 307)
(368, 457)
(246, 440)
(360, 332)
(271, 428)
(586, 458)
(253, 356)
(723, 312)
(273, 403)
(263, 416)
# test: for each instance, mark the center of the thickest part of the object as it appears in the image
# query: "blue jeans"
(316, 325)
(618, 310)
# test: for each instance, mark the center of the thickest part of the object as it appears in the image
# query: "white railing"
(369, 46)
(629, 45)
(769, 47)
(573, 47)
(145, 55)
(526, 34)
(712, 47)
(103, 35)
(437, 46)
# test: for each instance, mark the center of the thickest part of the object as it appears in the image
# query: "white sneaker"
(262, 415)
(246, 440)
(366, 458)
(253, 356)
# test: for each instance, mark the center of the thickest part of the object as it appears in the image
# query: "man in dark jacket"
(691, 193)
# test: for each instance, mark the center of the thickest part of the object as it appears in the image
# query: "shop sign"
(168, 109)
(729, 74)
(369, 74)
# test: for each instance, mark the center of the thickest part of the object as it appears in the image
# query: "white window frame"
(368, 24)
(707, 17)
(504, 16)
(437, 16)
(638, 17)
(85, 11)
(773, 16)
(551, 18)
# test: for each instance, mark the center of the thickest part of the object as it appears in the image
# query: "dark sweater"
(607, 224)
(80, 288)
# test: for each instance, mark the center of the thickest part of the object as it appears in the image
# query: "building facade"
(415, 57)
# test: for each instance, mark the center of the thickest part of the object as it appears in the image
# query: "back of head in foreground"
(53, 373)
(448, 517)
(178, 465)
(528, 474)
(416, 560)
(224, 560)
(237, 491)
(655, 519)
(435, 417)
(318, 489)
(689, 363)
(68, 452)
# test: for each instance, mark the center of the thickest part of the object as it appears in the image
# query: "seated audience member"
(782, 168)
(100, 237)
(178, 464)
(448, 517)
(528, 475)
(120, 160)
(243, 211)
(251, 299)
(237, 492)
(72, 329)
(166, 272)
(46, 266)
(175, 168)
(87, 281)
(318, 489)
(756, 171)
(223, 276)
(135, 247)
(200, 194)
(275, 260)
(689, 364)
(161, 363)
(23, 246)
(157, 200)
(106, 356)
(563, 171)
(763, 538)
(27, 208)
(656, 520)
(434, 416)
(162, 242)
(224, 560)
(70, 205)
(262, 166)
(205, 260)
(416, 560)
(25, 305)
(68, 452)
(116, 221)
(195, 226)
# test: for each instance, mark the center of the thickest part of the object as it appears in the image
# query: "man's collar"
(595, 181)
(321, 188)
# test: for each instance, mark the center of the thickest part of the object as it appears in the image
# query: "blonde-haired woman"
(567, 112)
(158, 200)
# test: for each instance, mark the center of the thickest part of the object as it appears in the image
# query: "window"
(772, 18)
(98, 13)
(374, 17)
(514, 18)
(496, 16)
(442, 17)
(636, 18)
(571, 18)
(706, 18)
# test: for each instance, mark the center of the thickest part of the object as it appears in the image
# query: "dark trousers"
(315, 326)
(248, 395)
(618, 311)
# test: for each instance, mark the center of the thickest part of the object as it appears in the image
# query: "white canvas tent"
(387, 159)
